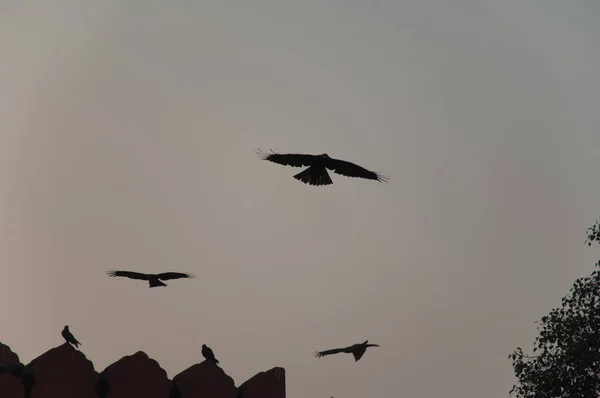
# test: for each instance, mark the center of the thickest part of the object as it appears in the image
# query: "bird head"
(203, 345)
(66, 327)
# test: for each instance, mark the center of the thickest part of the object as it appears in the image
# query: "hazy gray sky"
(128, 132)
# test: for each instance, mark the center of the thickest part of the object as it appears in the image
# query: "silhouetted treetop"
(566, 355)
(593, 233)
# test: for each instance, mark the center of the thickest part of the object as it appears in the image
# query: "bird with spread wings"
(316, 173)
(357, 350)
(154, 280)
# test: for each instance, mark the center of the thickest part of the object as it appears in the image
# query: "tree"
(566, 353)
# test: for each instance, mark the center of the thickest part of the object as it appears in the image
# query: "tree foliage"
(593, 233)
(566, 355)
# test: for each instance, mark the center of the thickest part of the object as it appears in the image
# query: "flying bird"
(316, 173)
(357, 350)
(69, 337)
(154, 280)
(209, 354)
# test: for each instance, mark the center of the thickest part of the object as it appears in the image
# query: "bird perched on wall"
(316, 173)
(154, 280)
(68, 336)
(357, 350)
(209, 354)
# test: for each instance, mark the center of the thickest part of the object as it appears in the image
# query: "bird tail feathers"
(314, 175)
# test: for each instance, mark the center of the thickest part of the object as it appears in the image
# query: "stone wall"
(67, 373)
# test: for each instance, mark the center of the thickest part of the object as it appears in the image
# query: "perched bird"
(154, 280)
(357, 350)
(316, 173)
(209, 354)
(69, 337)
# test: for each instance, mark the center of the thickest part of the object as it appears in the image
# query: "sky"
(128, 133)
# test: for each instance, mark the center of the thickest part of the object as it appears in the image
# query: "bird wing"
(288, 159)
(129, 274)
(358, 354)
(320, 354)
(165, 276)
(349, 169)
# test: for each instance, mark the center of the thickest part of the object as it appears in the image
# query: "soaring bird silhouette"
(316, 173)
(357, 350)
(69, 337)
(154, 280)
(209, 354)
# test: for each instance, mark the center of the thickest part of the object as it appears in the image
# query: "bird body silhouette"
(316, 173)
(357, 350)
(209, 354)
(154, 280)
(68, 336)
